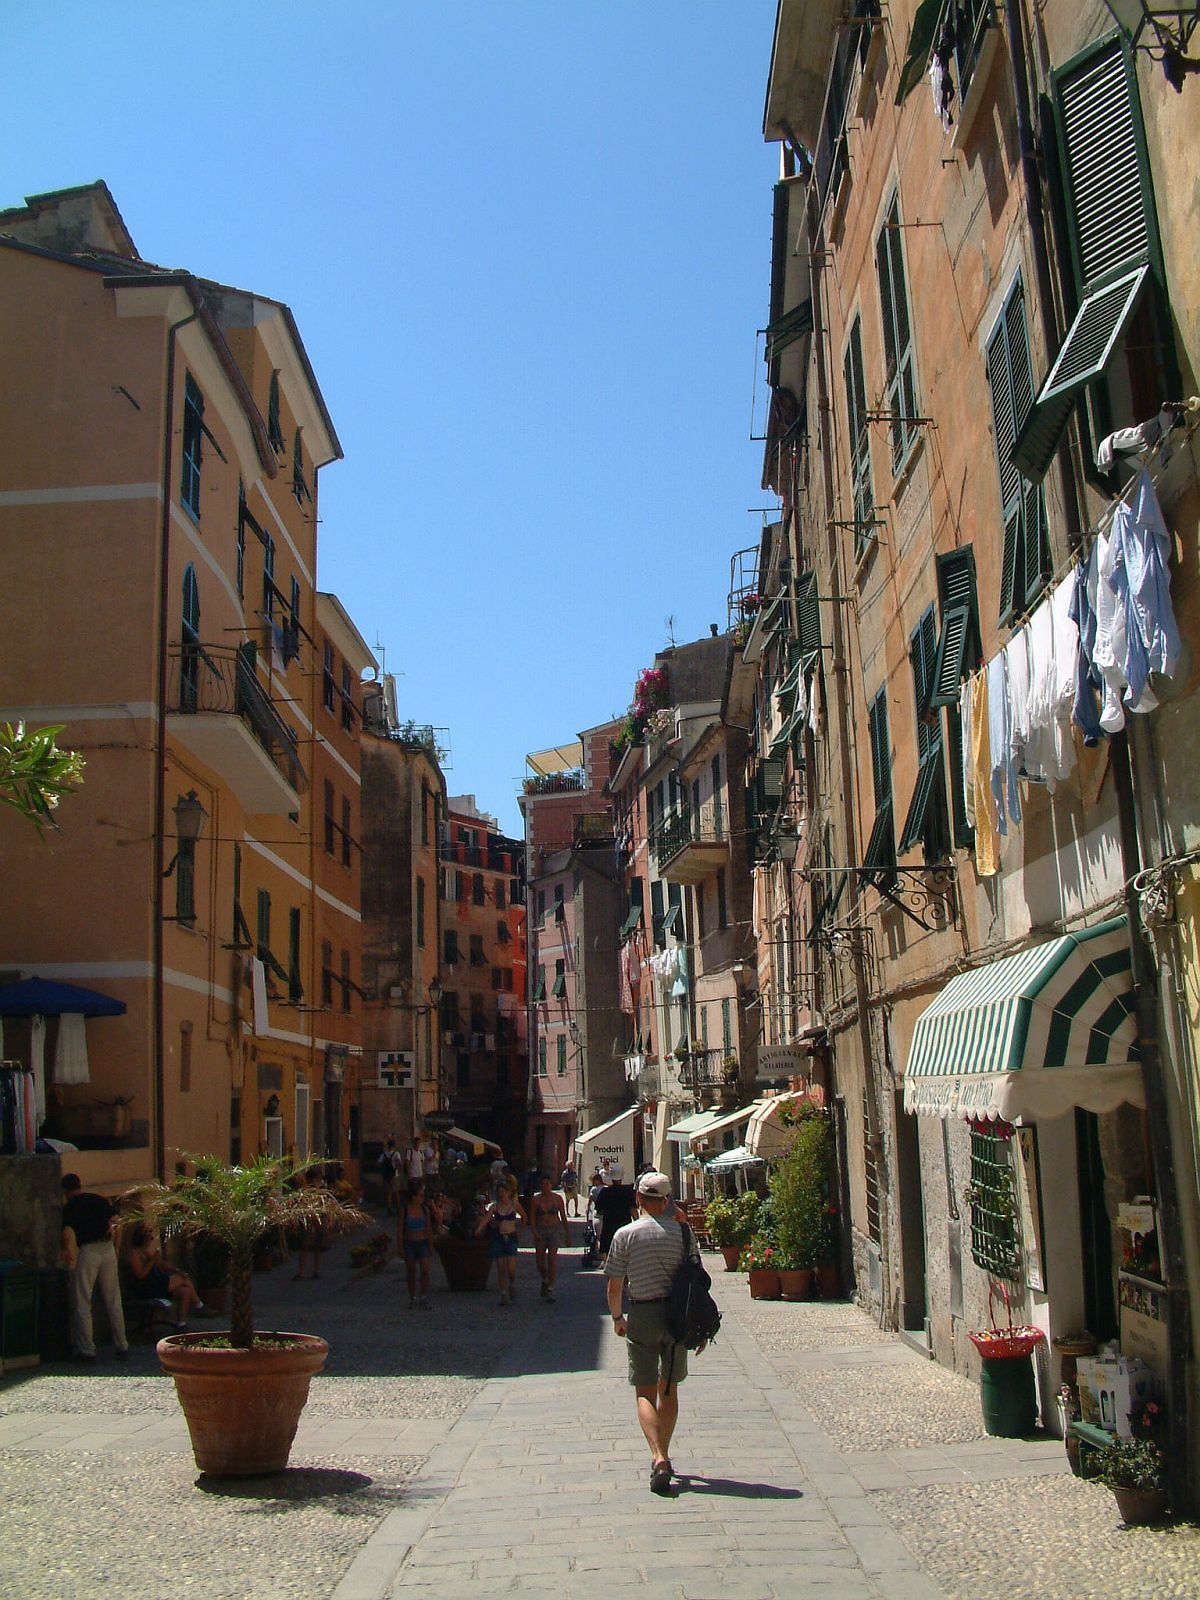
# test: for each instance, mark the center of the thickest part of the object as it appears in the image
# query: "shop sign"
(781, 1060)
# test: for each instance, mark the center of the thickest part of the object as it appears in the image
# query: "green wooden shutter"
(931, 769)
(860, 438)
(897, 332)
(920, 43)
(808, 622)
(959, 643)
(1113, 227)
(1025, 562)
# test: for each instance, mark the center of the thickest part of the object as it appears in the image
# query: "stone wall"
(31, 1210)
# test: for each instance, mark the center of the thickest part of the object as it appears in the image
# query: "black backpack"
(693, 1317)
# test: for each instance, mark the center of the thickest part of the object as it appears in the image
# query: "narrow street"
(472, 1449)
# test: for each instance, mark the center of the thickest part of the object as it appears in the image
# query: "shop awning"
(728, 1159)
(682, 1132)
(765, 1134)
(612, 1140)
(730, 1119)
(39, 997)
(476, 1141)
(1032, 1035)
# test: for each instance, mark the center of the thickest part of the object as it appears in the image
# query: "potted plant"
(466, 1258)
(796, 1281)
(731, 1224)
(242, 1392)
(762, 1272)
(800, 1194)
(1133, 1470)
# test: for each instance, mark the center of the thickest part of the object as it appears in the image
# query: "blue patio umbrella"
(40, 997)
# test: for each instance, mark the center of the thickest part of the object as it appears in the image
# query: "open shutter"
(1110, 204)
(929, 778)
(959, 643)
(808, 621)
(920, 43)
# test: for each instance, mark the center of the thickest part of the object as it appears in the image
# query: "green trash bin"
(1009, 1397)
(18, 1316)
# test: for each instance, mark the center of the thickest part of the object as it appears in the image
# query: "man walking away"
(548, 1214)
(615, 1206)
(646, 1254)
(388, 1158)
(91, 1259)
(569, 1184)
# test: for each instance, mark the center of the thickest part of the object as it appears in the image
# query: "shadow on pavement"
(296, 1487)
(734, 1488)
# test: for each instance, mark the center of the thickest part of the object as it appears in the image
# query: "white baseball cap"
(655, 1183)
(616, 1172)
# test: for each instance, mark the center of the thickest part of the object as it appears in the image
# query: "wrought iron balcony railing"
(209, 679)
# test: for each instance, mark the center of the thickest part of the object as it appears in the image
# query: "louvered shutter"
(1036, 544)
(808, 620)
(1025, 561)
(860, 441)
(959, 643)
(1110, 204)
(1013, 555)
(920, 43)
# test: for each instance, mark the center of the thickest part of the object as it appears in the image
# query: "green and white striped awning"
(1032, 1035)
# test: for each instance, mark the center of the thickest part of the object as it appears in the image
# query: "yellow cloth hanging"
(987, 837)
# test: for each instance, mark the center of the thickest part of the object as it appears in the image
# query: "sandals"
(660, 1477)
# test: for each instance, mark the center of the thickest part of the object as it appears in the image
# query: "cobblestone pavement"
(472, 1448)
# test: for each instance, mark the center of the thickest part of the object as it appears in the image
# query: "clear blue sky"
(527, 243)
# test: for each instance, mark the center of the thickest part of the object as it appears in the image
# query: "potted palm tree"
(242, 1392)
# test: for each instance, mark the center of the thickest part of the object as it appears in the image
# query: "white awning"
(612, 1140)
(731, 1119)
(682, 1132)
(728, 1159)
(559, 758)
(766, 1135)
(476, 1141)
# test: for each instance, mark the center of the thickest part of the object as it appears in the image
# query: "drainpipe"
(1014, 28)
(840, 669)
(160, 765)
(1158, 1119)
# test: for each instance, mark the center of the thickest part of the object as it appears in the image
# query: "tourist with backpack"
(670, 1312)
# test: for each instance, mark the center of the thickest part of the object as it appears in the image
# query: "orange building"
(158, 515)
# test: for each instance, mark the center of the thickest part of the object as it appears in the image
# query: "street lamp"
(1170, 23)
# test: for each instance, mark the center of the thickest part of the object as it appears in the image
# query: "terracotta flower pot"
(764, 1283)
(466, 1262)
(732, 1254)
(242, 1406)
(1141, 1505)
(797, 1284)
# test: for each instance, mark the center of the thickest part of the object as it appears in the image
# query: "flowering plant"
(660, 722)
(1130, 1464)
(759, 1253)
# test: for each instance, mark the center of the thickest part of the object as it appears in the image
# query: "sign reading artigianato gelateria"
(780, 1059)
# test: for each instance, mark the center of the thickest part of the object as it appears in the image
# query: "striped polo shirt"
(648, 1252)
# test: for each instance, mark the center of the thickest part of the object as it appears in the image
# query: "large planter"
(798, 1284)
(829, 1283)
(1008, 1395)
(732, 1254)
(466, 1262)
(1141, 1505)
(764, 1283)
(242, 1406)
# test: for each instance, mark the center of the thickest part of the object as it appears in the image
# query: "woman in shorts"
(503, 1219)
(415, 1227)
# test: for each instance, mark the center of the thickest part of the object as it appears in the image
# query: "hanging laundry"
(987, 852)
(939, 74)
(70, 1050)
(1131, 441)
(1004, 769)
(1016, 684)
(1082, 612)
(968, 774)
(1139, 552)
(624, 987)
(679, 988)
(37, 1064)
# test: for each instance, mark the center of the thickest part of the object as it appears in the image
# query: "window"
(274, 430)
(1115, 249)
(421, 913)
(926, 819)
(189, 654)
(1025, 566)
(185, 881)
(299, 485)
(993, 1207)
(268, 587)
(860, 437)
(540, 903)
(559, 907)
(346, 835)
(698, 902)
(347, 982)
(561, 1063)
(478, 892)
(901, 389)
(726, 1028)
(959, 651)
(718, 800)
(497, 979)
(656, 913)
(347, 696)
(449, 1015)
(880, 854)
(722, 908)
(424, 812)
(450, 947)
(506, 979)
(808, 619)
(462, 1070)
(291, 627)
(539, 988)
(263, 941)
(241, 929)
(502, 933)
(193, 445)
(241, 545)
(295, 982)
(328, 688)
(330, 825)
(478, 959)
(871, 1173)
(500, 895)
(541, 1058)
(560, 979)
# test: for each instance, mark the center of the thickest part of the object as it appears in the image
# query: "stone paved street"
(472, 1449)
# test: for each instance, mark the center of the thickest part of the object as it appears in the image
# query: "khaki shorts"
(650, 1347)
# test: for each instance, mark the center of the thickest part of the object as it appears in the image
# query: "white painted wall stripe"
(302, 879)
(78, 494)
(136, 710)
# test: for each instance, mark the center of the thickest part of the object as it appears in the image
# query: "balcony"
(218, 709)
(708, 1069)
(692, 846)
